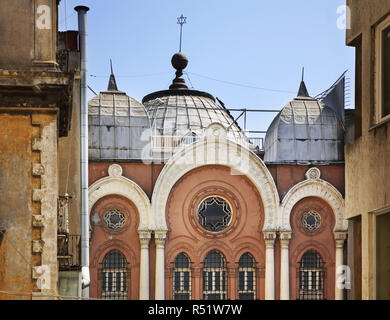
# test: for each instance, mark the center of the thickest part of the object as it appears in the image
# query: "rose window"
(311, 221)
(214, 214)
(114, 219)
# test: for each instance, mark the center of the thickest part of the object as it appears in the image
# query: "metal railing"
(171, 143)
(174, 143)
(258, 142)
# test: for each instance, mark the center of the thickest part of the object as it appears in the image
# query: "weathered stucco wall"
(16, 184)
(28, 205)
(368, 157)
(29, 28)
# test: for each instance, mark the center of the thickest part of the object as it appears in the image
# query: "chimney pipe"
(84, 214)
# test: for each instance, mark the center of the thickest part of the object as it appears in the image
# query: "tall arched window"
(182, 278)
(214, 277)
(114, 276)
(311, 276)
(246, 278)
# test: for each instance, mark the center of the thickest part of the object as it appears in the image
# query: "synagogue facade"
(184, 206)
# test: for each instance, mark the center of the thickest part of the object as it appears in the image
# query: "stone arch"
(117, 184)
(216, 149)
(313, 187)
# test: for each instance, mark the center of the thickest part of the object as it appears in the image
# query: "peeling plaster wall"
(16, 184)
(27, 44)
(28, 205)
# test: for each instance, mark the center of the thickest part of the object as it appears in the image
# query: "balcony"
(69, 253)
(68, 246)
(172, 144)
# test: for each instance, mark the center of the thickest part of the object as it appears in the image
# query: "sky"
(248, 53)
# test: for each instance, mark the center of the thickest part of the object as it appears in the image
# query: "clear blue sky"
(259, 43)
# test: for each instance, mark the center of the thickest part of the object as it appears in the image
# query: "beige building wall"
(35, 110)
(368, 156)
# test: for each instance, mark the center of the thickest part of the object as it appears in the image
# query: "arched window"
(214, 277)
(311, 276)
(182, 278)
(189, 138)
(246, 278)
(114, 276)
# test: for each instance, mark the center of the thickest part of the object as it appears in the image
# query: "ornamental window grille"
(182, 278)
(311, 276)
(214, 277)
(114, 276)
(114, 219)
(311, 221)
(214, 214)
(246, 278)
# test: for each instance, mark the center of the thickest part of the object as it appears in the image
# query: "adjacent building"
(39, 154)
(368, 155)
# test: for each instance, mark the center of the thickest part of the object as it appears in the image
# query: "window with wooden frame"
(182, 278)
(382, 70)
(246, 278)
(214, 277)
(114, 276)
(311, 275)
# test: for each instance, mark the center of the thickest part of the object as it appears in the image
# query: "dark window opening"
(386, 72)
(358, 88)
(182, 278)
(246, 278)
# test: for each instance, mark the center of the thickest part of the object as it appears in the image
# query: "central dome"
(180, 111)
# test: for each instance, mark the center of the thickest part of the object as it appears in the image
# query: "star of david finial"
(181, 20)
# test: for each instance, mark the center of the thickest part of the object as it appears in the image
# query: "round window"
(114, 219)
(311, 221)
(214, 214)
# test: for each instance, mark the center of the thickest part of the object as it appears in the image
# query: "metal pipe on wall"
(84, 215)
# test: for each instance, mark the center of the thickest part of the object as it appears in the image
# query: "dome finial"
(181, 20)
(179, 62)
(112, 82)
(302, 92)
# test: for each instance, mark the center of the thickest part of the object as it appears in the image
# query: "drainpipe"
(84, 216)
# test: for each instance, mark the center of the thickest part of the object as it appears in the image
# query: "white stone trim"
(313, 188)
(119, 185)
(216, 150)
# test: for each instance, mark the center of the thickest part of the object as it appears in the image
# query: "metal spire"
(112, 82)
(302, 92)
(181, 20)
